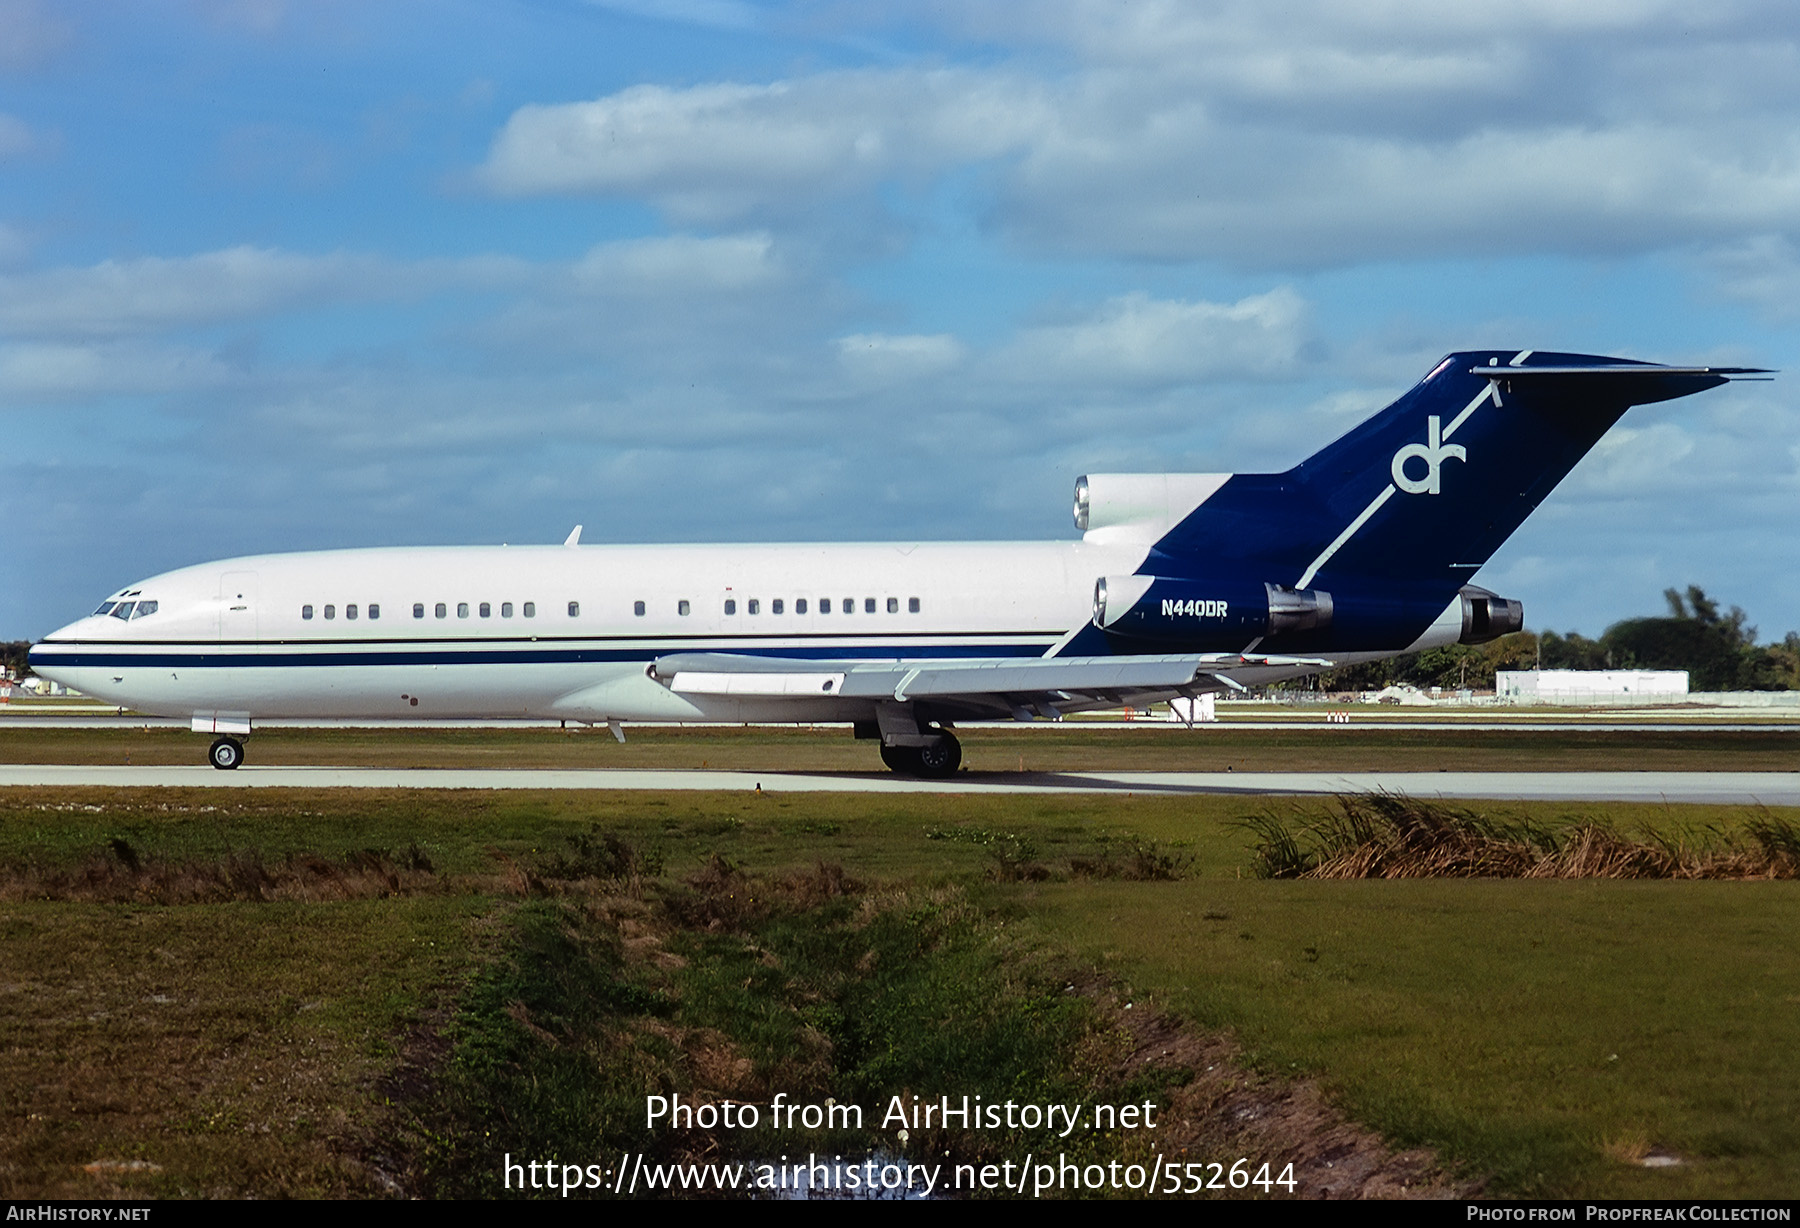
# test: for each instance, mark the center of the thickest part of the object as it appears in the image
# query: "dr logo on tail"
(1180, 584)
(1434, 452)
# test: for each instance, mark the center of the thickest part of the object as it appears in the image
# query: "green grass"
(236, 1047)
(1539, 1034)
(1073, 747)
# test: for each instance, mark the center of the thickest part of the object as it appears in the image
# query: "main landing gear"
(226, 753)
(937, 761)
(913, 743)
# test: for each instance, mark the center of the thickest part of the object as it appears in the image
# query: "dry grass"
(1390, 836)
(124, 875)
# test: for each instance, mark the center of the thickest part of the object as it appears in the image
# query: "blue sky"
(296, 276)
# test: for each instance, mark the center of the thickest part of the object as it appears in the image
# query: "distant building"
(1194, 711)
(1590, 686)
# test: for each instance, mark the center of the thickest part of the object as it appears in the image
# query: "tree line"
(12, 657)
(1718, 649)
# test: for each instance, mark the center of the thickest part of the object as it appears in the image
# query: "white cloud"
(118, 296)
(32, 372)
(13, 244)
(1180, 185)
(724, 150)
(16, 136)
(1243, 40)
(29, 34)
(1263, 135)
(1631, 460)
(153, 293)
(680, 263)
(712, 14)
(1763, 270)
(886, 358)
(1138, 341)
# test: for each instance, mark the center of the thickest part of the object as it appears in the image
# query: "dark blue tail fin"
(1407, 506)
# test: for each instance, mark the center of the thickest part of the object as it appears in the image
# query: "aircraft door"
(237, 606)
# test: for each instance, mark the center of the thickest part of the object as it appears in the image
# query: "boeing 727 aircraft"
(1180, 584)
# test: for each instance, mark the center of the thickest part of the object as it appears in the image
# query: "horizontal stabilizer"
(1624, 368)
(1637, 383)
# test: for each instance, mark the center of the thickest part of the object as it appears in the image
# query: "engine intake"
(1488, 616)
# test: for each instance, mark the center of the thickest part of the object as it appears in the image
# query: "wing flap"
(714, 682)
(1007, 680)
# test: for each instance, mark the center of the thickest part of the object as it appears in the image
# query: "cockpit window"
(123, 609)
(144, 609)
(105, 608)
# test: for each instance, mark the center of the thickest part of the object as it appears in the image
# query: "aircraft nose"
(63, 635)
(48, 656)
(39, 658)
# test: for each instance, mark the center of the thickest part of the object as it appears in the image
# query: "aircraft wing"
(978, 686)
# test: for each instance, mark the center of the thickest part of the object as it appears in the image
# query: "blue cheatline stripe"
(883, 638)
(212, 658)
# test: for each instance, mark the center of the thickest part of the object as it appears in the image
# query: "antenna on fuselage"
(574, 538)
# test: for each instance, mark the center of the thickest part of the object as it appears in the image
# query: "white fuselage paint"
(974, 599)
(228, 641)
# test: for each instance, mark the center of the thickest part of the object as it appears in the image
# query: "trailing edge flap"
(709, 673)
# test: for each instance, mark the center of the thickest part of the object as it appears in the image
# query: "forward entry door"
(237, 607)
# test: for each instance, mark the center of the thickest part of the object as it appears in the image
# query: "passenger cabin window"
(349, 611)
(330, 611)
(730, 606)
(775, 607)
(487, 611)
(755, 606)
(440, 609)
(306, 611)
(574, 609)
(682, 608)
(912, 605)
(531, 609)
(799, 605)
(868, 605)
(462, 609)
(374, 610)
(506, 609)
(418, 609)
(893, 605)
(637, 608)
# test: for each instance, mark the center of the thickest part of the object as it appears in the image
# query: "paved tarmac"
(1736, 721)
(1732, 788)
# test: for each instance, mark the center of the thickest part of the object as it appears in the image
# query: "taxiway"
(1731, 788)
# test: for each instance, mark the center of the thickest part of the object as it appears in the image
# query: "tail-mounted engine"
(1488, 616)
(1229, 614)
(1196, 611)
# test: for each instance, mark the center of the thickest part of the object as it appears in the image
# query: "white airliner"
(1180, 584)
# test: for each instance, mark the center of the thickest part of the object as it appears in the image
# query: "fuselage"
(558, 631)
